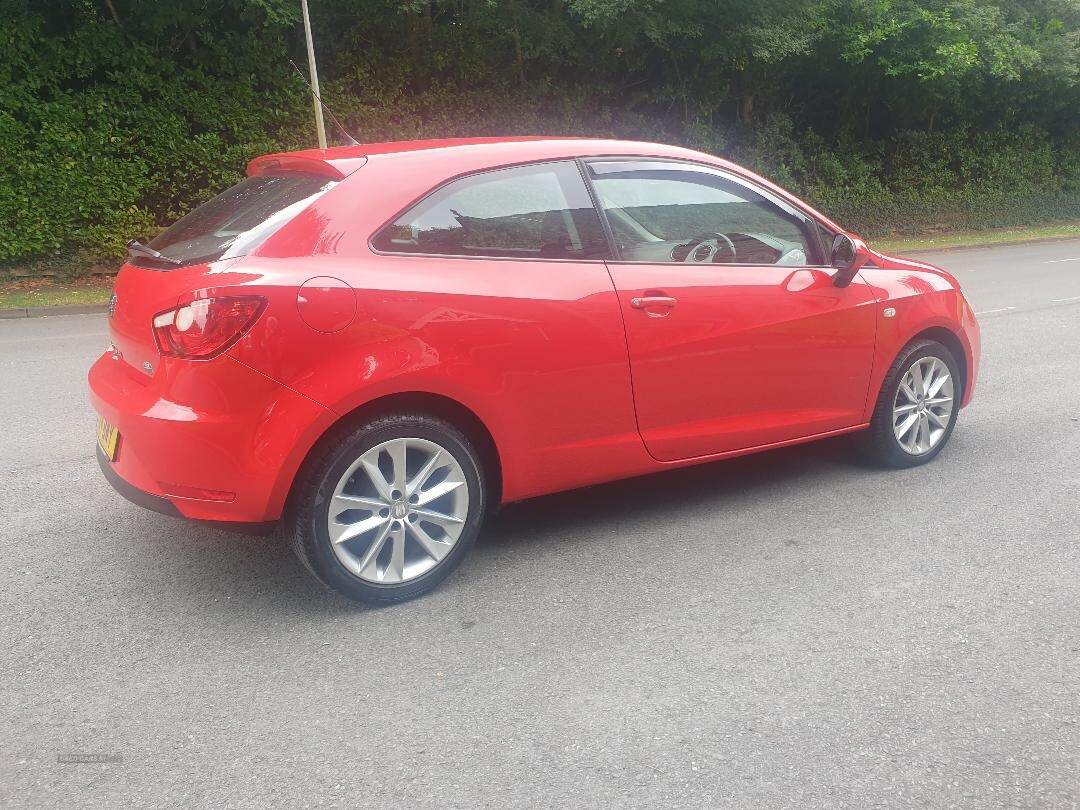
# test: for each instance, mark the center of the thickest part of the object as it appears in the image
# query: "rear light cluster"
(206, 327)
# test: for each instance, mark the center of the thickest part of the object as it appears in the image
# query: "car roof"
(345, 159)
(387, 147)
(462, 155)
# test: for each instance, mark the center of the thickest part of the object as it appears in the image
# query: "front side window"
(540, 211)
(236, 221)
(668, 212)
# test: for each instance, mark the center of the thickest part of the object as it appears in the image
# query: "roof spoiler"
(292, 162)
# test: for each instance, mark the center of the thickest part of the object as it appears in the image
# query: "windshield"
(237, 220)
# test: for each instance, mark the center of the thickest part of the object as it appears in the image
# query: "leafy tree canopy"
(117, 115)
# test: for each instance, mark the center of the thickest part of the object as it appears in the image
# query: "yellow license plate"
(108, 439)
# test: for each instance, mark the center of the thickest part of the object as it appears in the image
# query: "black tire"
(309, 533)
(881, 444)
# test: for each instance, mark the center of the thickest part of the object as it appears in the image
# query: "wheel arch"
(938, 332)
(438, 405)
(951, 341)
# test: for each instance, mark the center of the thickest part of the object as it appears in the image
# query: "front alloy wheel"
(923, 405)
(917, 407)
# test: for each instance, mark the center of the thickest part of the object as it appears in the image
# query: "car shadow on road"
(713, 484)
(261, 573)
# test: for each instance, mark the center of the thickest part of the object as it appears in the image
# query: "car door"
(737, 336)
(492, 290)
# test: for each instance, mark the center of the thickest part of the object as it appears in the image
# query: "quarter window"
(239, 219)
(668, 212)
(536, 211)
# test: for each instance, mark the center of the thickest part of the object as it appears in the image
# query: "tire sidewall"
(316, 536)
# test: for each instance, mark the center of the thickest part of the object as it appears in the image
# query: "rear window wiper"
(137, 248)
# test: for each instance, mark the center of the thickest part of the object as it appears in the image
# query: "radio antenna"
(321, 105)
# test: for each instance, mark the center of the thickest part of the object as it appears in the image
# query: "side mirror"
(848, 255)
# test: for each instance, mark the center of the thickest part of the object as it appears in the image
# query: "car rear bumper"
(156, 503)
(212, 441)
(147, 500)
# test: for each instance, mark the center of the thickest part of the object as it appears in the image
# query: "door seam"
(629, 364)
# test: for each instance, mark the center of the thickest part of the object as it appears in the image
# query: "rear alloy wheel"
(398, 510)
(392, 509)
(917, 408)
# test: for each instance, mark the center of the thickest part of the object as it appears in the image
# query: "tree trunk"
(112, 10)
(746, 108)
(519, 59)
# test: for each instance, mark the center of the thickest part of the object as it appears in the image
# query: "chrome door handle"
(652, 301)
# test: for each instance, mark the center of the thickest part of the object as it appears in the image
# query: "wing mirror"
(849, 255)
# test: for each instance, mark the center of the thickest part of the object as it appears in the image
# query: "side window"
(669, 212)
(535, 211)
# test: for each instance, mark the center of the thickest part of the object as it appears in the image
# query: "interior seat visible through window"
(537, 211)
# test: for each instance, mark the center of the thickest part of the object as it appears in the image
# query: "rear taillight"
(206, 327)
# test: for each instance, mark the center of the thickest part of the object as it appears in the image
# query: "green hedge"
(918, 182)
(102, 138)
(113, 127)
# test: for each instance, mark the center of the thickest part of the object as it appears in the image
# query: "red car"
(377, 344)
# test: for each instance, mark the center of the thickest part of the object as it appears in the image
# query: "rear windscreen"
(239, 219)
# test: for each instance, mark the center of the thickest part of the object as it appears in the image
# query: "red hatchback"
(380, 343)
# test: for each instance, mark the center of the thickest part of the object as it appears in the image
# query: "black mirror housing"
(848, 256)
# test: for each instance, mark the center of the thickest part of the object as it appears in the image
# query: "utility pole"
(320, 130)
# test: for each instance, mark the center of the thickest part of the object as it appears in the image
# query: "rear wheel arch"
(437, 405)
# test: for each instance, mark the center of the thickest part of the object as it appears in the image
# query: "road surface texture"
(786, 629)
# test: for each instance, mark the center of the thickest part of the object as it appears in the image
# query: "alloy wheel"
(923, 406)
(398, 510)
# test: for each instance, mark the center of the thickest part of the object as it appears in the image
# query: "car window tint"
(240, 218)
(667, 212)
(536, 211)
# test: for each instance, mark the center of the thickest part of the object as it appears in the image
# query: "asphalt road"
(785, 629)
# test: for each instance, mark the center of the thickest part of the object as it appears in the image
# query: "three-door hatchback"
(378, 344)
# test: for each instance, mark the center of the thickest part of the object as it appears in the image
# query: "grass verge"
(959, 239)
(48, 293)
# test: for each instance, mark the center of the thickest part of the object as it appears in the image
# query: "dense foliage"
(893, 115)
